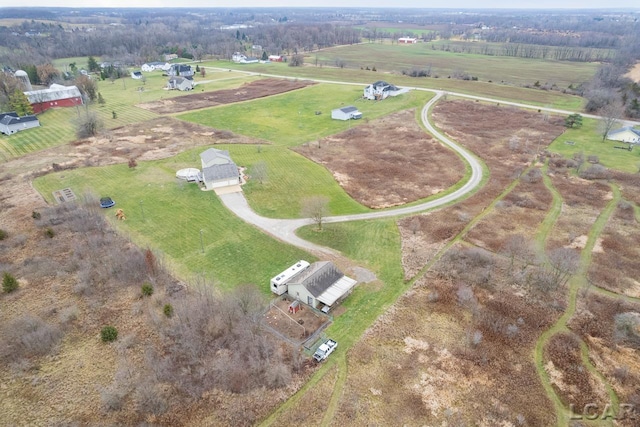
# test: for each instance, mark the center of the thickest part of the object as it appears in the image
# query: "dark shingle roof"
(349, 109)
(318, 277)
(218, 172)
(9, 119)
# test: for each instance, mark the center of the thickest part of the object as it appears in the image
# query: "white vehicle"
(325, 350)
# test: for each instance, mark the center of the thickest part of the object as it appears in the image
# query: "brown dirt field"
(387, 162)
(616, 267)
(571, 380)
(619, 363)
(473, 125)
(582, 203)
(306, 321)
(520, 212)
(246, 92)
(416, 363)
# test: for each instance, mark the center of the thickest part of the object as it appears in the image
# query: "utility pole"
(201, 241)
(142, 210)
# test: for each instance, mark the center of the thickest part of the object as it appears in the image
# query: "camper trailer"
(279, 282)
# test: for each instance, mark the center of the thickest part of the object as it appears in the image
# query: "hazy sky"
(535, 4)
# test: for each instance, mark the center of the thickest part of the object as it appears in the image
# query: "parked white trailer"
(279, 282)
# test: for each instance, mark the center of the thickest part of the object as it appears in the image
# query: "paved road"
(284, 229)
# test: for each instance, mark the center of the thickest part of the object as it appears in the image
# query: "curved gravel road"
(284, 229)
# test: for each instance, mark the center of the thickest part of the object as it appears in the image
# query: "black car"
(106, 202)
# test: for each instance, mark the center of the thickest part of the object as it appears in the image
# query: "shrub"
(109, 334)
(147, 290)
(35, 215)
(49, 232)
(167, 310)
(29, 336)
(3, 234)
(9, 283)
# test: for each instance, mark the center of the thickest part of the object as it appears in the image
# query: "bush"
(9, 283)
(109, 334)
(147, 290)
(3, 234)
(35, 215)
(49, 232)
(167, 310)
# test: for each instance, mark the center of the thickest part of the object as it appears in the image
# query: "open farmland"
(388, 161)
(484, 317)
(171, 216)
(301, 116)
(246, 92)
(445, 64)
(524, 291)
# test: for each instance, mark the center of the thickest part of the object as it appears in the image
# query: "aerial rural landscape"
(319, 217)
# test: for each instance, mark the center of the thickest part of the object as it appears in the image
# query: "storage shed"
(346, 113)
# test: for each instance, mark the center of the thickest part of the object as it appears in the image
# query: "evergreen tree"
(101, 100)
(264, 56)
(93, 64)
(20, 103)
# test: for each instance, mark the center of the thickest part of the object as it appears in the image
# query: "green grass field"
(290, 178)
(168, 215)
(290, 119)
(588, 140)
(507, 92)
(517, 71)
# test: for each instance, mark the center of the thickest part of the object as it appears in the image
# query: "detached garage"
(346, 113)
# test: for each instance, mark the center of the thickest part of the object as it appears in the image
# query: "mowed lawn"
(508, 92)
(368, 300)
(300, 116)
(290, 179)
(170, 216)
(588, 140)
(122, 97)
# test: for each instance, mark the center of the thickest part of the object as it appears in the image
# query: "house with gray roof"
(181, 70)
(218, 170)
(11, 123)
(346, 113)
(625, 134)
(321, 283)
(179, 83)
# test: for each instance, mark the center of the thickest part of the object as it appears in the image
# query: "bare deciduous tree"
(259, 172)
(611, 115)
(316, 208)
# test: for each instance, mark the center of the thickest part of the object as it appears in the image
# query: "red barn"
(55, 96)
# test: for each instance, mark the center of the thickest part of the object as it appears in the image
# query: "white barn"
(346, 113)
(625, 134)
(218, 170)
(153, 66)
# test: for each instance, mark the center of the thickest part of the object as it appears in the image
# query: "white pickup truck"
(325, 350)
